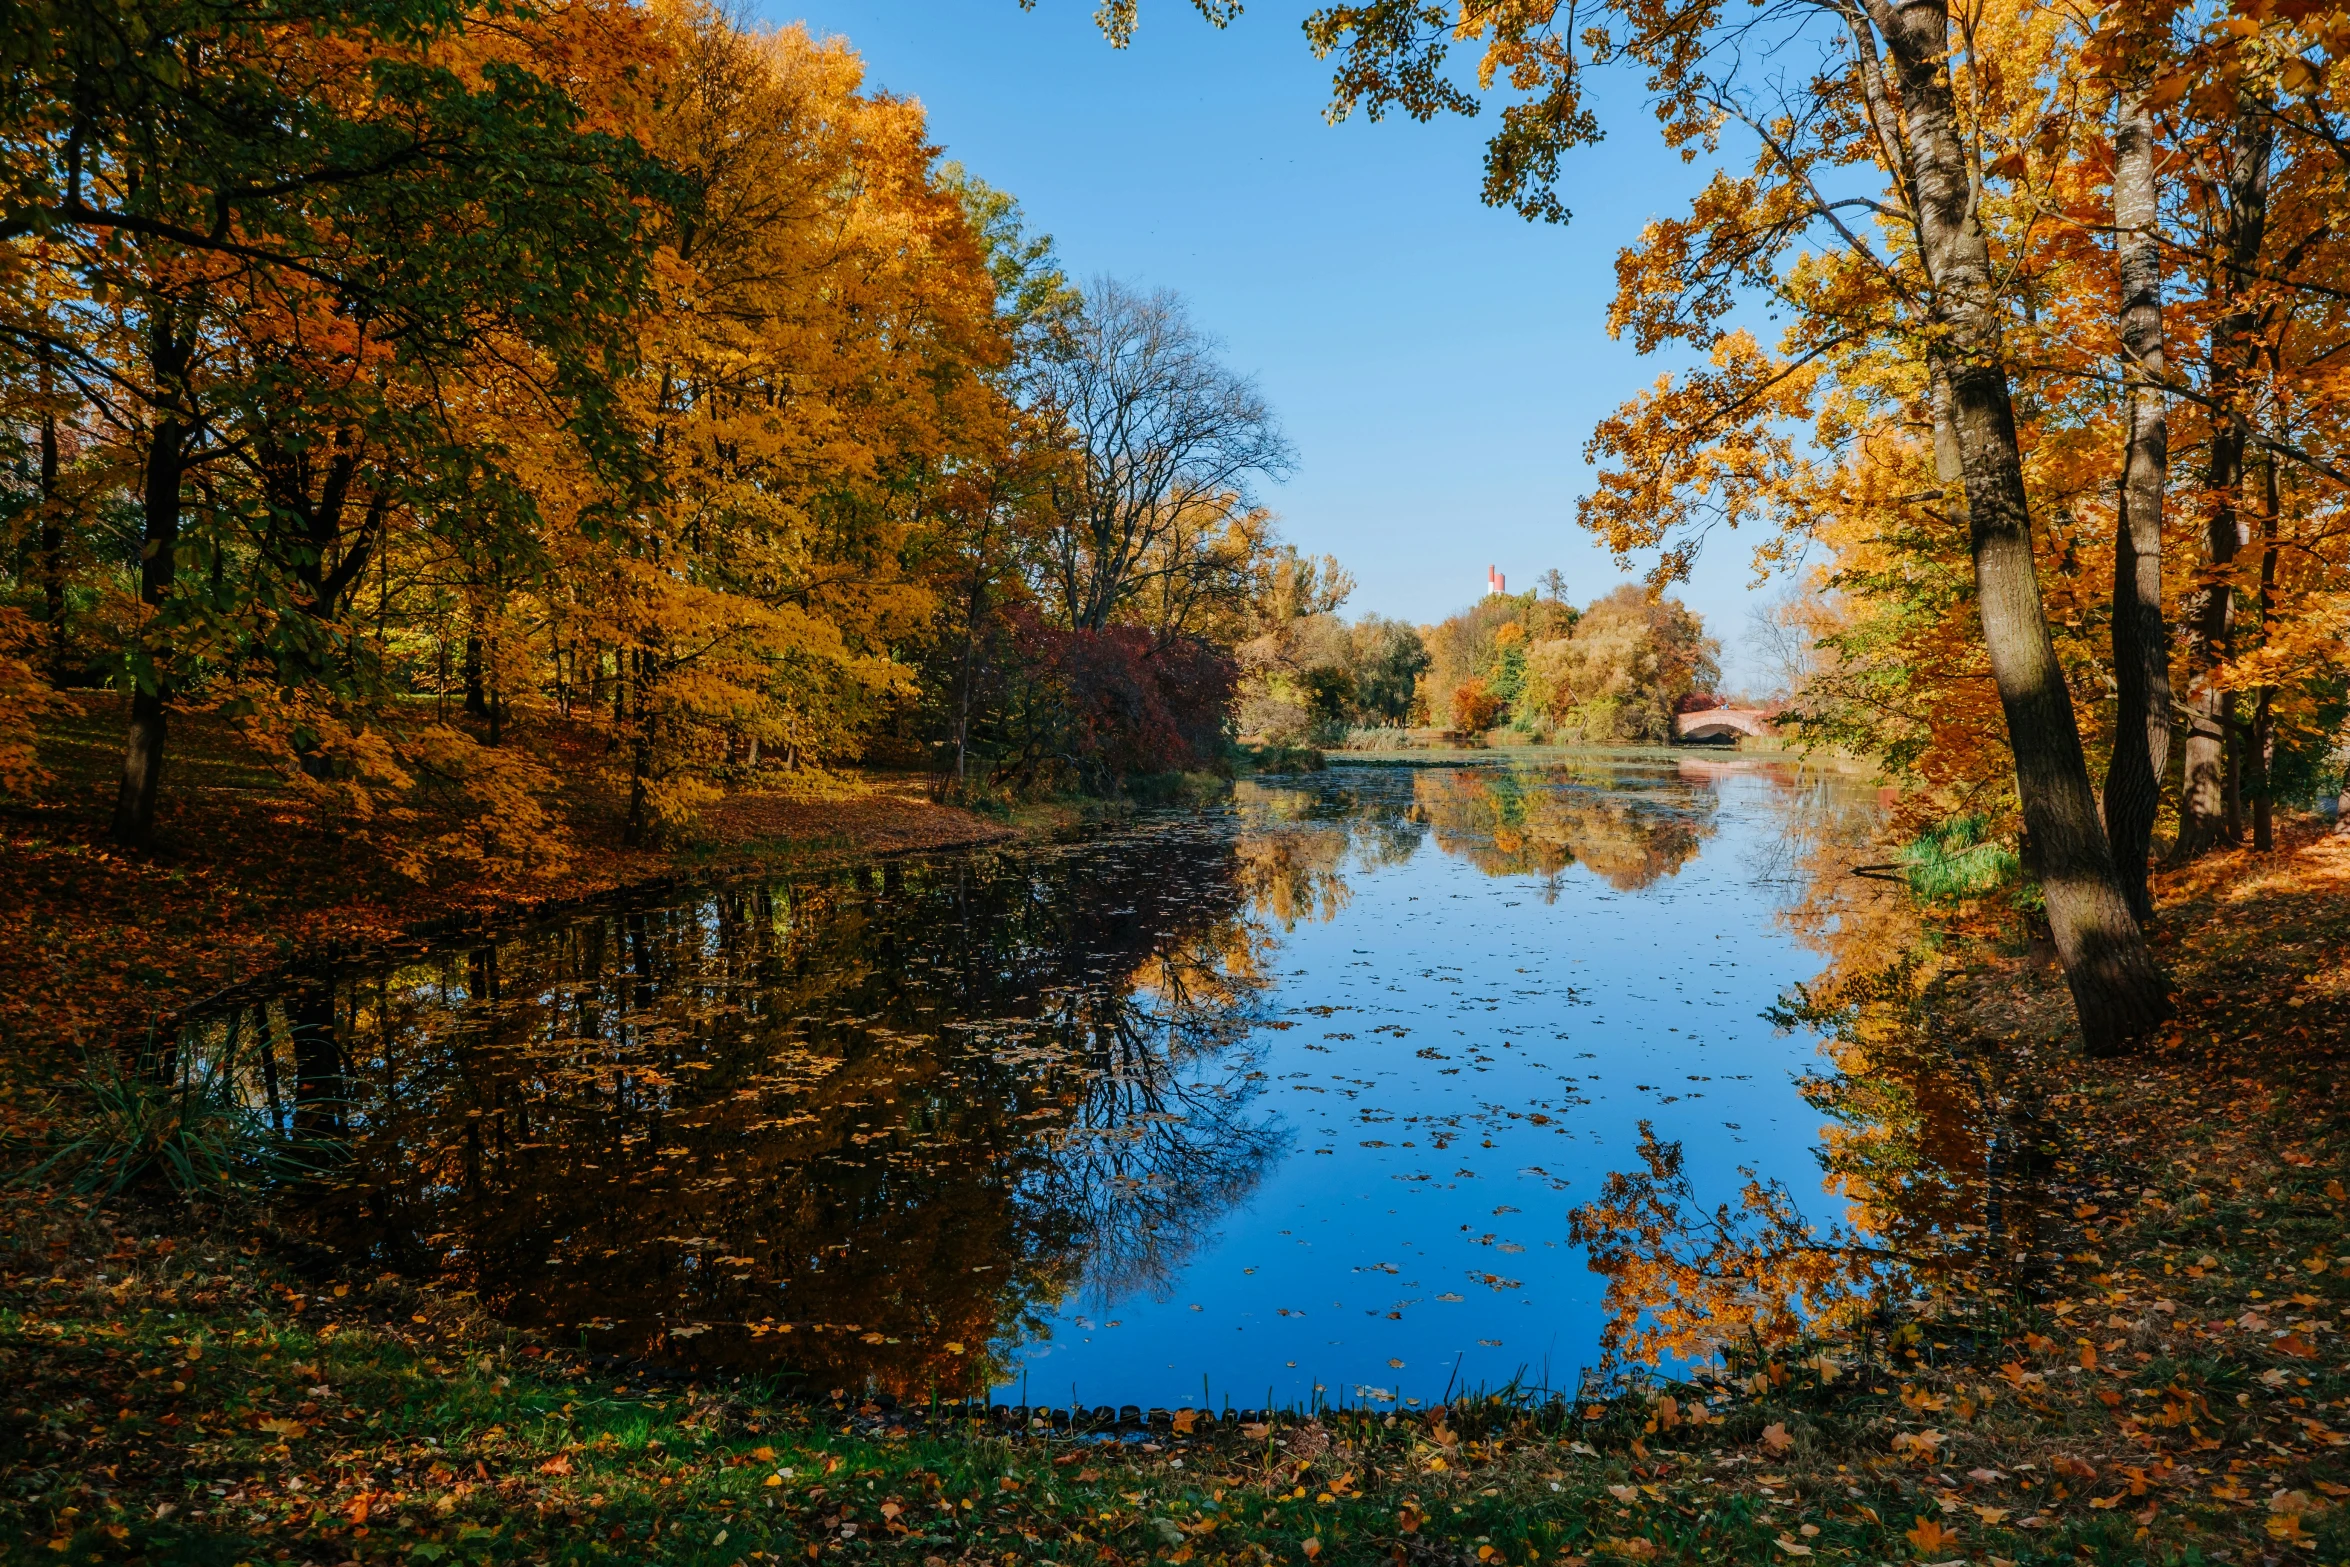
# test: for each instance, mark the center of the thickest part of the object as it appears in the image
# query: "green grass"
(1956, 859)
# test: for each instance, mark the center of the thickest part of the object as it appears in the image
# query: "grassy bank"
(182, 1392)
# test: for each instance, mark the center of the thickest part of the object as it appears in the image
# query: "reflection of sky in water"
(1276, 1095)
(1472, 1029)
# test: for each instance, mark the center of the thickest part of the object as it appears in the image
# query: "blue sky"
(1437, 363)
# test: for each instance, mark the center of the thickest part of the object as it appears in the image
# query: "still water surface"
(1282, 1099)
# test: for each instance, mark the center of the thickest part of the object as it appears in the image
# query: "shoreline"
(199, 1383)
(248, 884)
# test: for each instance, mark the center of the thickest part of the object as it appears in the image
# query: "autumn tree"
(824, 310)
(1165, 445)
(245, 209)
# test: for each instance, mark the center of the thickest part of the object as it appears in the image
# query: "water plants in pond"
(1289, 1096)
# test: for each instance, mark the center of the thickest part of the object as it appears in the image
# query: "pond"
(1273, 1102)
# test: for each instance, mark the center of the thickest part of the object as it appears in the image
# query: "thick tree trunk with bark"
(2208, 791)
(2141, 643)
(2118, 992)
(167, 454)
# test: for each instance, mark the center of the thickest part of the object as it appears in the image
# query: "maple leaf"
(1930, 1537)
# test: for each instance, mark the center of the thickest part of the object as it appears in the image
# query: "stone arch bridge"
(1724, 723)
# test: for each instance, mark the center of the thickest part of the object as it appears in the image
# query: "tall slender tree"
(2141, 639)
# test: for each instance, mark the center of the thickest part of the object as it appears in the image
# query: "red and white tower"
(1495, 582)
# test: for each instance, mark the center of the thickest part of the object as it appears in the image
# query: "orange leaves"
(1775, 1438)
(820, 336)
(23, 697)
(1474, 708)
(1711, 446)
(1682, 1280)
(1918, 1445)
(1930, 1538)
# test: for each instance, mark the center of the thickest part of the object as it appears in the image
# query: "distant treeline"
(1612, 673)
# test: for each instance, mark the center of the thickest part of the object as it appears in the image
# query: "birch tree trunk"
(2141, 643)
(2118, 992)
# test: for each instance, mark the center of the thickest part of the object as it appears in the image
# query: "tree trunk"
(637, 830)
(968, 674)
(52, 547)
(167, 454)
(2141, 643)
(2205, 788)
(477, 699)
(2264, 725)
(2118, 992)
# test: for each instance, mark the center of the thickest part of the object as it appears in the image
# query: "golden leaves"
(1709, 447)
(1930, 1537)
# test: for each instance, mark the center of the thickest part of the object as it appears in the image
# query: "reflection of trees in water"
(1627, 824)
(1162, 1139)
(1296, 843)
(1930, 1155)
(1921, 1141)
(849, 1122)
(1627, 828)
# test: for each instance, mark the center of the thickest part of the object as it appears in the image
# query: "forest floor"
(188, 1386)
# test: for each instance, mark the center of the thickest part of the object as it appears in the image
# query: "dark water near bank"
(1283, 1098)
